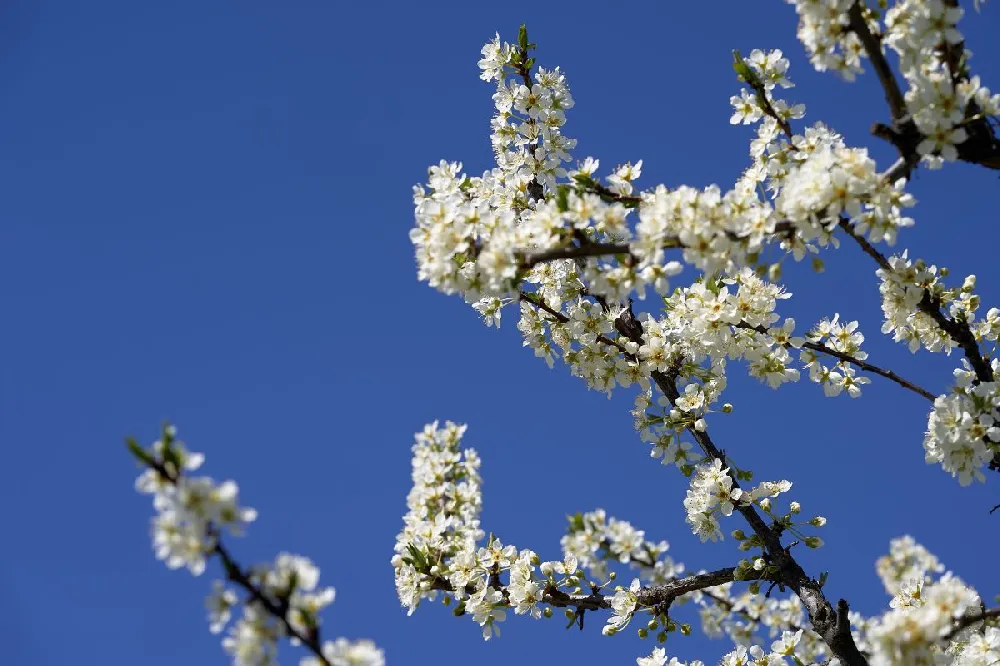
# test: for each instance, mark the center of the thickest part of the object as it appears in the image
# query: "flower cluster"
(933, 618)
(907, 561)
(841, 338)
(963, 429)
(909, 633)
(941, 97)
(827, 182)
(527, 137)
(438, 548)
(744, 617)
(659, 658)
(190, 511)
(818, 181)
(283, 600)
(823, 29)
(595, 540)
(713, 491)
(911, 283)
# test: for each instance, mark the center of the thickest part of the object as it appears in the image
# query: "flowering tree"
(574, 253)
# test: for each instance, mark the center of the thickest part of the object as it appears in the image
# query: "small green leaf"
(522, 37)
(742, 70)
(140, 453)
(562, 198)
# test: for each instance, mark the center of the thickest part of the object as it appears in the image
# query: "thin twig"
(847, 358)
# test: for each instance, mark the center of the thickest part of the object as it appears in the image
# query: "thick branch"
(981, 145)
(873, 47)
(576, 252)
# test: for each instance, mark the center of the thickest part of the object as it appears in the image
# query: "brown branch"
(864, 365)
(540, 303)
(655, 596)
(832, 624)
(980, 147)
(930, 305)
(873, 47)
(610, 196)
(969, 620)
(576, 252)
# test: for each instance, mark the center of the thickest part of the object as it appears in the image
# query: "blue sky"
(205, 218)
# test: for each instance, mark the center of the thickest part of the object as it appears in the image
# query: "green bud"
(661, 637)
(686, 629)
(643, 633)
(814, 542)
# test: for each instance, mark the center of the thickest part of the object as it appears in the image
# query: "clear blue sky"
(204, 219)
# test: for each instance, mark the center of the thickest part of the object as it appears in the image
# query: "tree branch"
(970, 620)
(832, 625)
(236, 574)
(576, 252)
(847, 358)
(873, 47)
(653, 596)
(930, 305)
(981, 145)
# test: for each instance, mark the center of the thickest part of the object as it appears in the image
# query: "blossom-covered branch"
(577, 254)
(282, 600)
